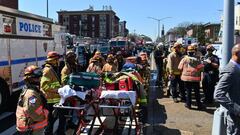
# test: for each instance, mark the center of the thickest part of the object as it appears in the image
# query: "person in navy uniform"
(210, 75)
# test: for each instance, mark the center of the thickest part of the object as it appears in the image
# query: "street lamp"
(158, 20)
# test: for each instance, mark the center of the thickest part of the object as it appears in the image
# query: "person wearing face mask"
(191, 68)
(50, 83)
(173, 61)
(210, 75)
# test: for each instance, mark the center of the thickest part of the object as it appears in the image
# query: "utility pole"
(228, 30)
(47, 8)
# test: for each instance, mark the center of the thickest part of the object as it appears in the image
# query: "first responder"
(50, 82)
(198, 53)
(173, 61)
(31, 113)
(111, 65)
(191, 68)
(95, 66)
(145, 70)
(158, 56)
(120, 60)
(97, 56)
(70, 66)
(210, 75)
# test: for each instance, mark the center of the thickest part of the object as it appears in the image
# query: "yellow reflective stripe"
(53, 100)
(143, 100)
(52, 85)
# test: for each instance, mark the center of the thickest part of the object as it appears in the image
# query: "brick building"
(9, 3)
(90, 23)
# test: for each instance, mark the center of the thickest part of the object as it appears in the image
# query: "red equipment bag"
(125, 84)
(110, 86)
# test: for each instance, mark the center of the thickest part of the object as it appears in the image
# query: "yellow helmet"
(191, 48)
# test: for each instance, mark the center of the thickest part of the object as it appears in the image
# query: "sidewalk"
(168, 118)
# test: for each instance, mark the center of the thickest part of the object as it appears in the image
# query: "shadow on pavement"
(161, 130)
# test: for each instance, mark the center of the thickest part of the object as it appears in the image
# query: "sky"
(136, 12)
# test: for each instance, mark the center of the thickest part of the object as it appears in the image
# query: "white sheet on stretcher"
(120, 94)
(66, 92)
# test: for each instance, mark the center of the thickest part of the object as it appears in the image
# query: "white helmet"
(160, 45)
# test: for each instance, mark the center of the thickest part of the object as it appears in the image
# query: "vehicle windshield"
(117, 43)
(121, 43)
(104, 49)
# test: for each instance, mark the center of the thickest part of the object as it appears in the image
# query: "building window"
(85, 27)
(75, 18)
(237, 20)
(93, 34)
(75, 25)
(84, 17)
(67, 27)
(93, 18)
(102, 18)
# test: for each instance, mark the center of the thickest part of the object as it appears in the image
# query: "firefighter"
(198, 53)
(120, 60)
(158, 56)
(145, 71)
(95, 66)
(97, 56)
(31, 114)
(210, 75)
(111, 65)
(173, 61)
(191, 68)
(70, 66)
(50, 82)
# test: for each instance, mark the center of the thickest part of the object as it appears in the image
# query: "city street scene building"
(93, 23)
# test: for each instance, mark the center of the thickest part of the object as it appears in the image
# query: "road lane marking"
(5, 115)
(10, 131)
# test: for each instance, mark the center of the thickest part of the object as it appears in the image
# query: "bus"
(25, 39)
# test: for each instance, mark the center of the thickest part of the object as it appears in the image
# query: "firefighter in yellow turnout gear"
(50, 82)
(31, 114)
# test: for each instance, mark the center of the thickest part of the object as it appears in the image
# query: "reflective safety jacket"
(31, 113)
(191, 69)
(173, 61)
(110, 67)
(50, 84)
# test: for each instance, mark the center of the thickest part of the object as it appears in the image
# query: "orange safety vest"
(30, 117)
(191, 69)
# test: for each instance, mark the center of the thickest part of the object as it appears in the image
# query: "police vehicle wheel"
(4, 94)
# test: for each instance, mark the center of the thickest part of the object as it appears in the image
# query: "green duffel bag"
(87, 79)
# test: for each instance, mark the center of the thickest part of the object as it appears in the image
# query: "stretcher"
(122, 104)
(78, 101)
